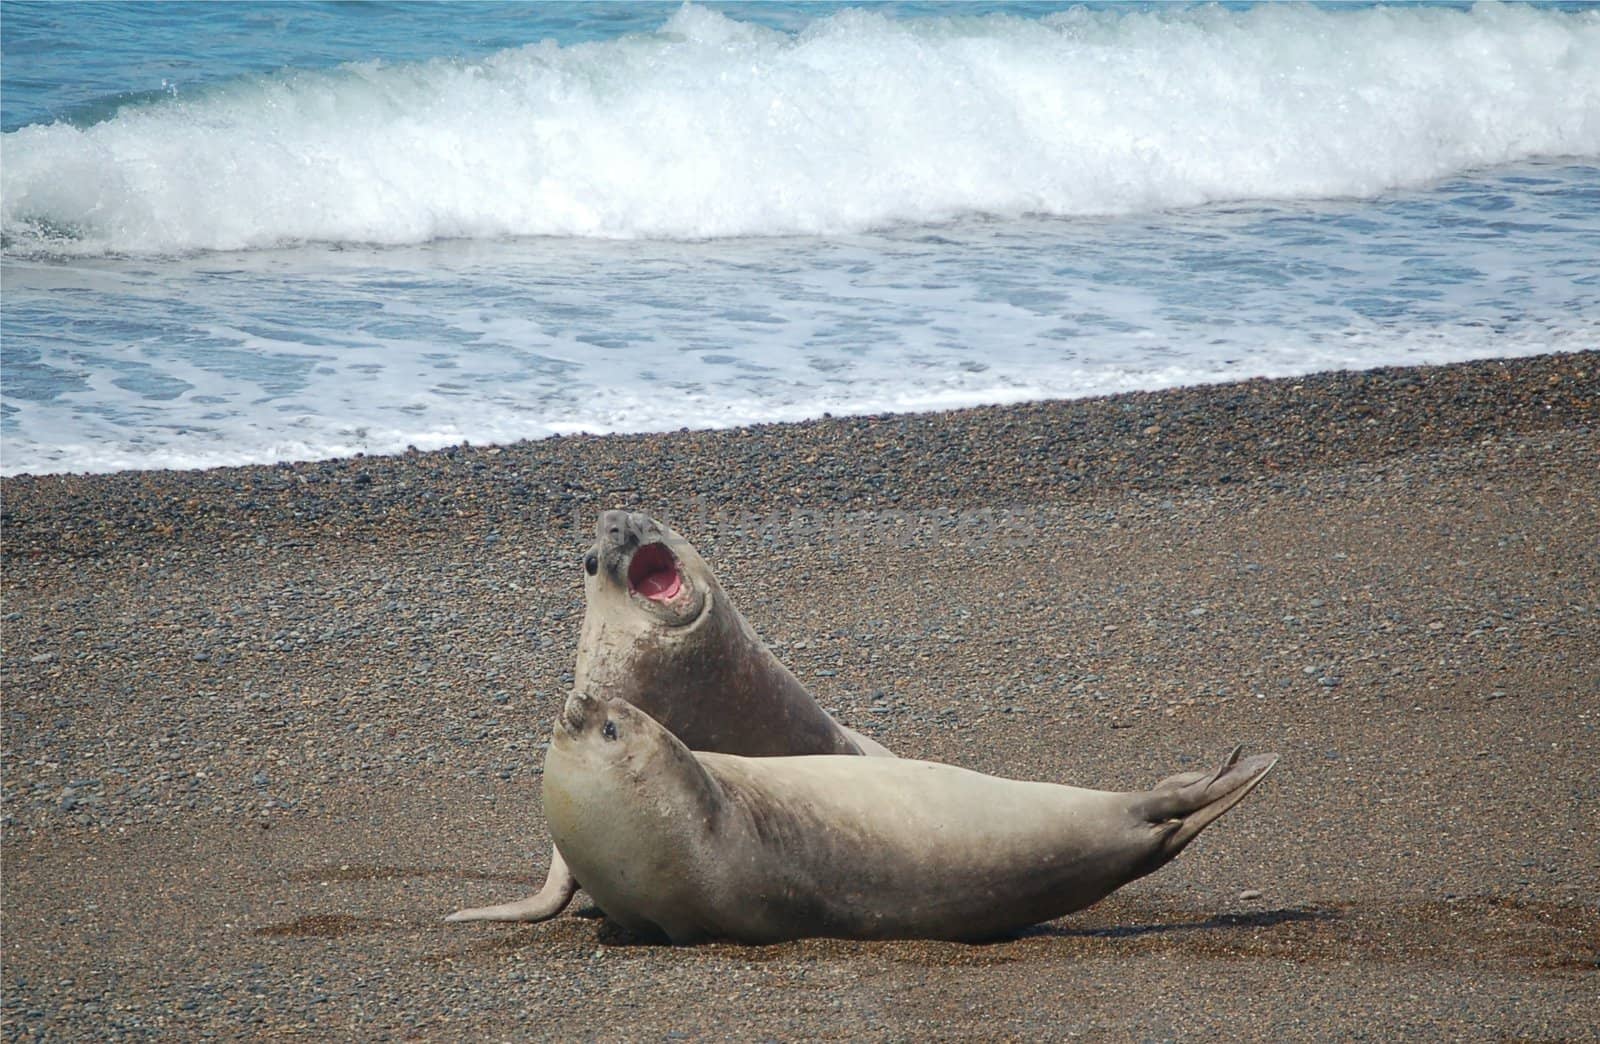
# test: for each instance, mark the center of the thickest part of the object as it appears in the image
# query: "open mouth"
(653, 573)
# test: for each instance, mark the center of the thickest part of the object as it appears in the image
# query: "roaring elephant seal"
(699, 846)
(660, 633)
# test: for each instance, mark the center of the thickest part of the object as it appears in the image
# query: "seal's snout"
(624, 529)
(577, 711)
(653, 573)
(614, 527)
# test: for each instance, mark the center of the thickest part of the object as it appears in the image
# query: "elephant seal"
(660, 633)
(700, 846)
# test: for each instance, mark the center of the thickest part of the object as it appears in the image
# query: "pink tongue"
(662, 586)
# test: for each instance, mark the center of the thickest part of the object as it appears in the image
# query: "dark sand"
(264, 727)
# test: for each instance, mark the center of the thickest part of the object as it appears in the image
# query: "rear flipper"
(1185, 804)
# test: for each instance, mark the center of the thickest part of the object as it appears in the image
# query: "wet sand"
(264, 727)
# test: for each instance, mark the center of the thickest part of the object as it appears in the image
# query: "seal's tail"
(1186, 804)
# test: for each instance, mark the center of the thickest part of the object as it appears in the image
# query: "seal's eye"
(591, 564)
(609, 729)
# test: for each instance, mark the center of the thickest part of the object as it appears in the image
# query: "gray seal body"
(699, 846)
(660, 633)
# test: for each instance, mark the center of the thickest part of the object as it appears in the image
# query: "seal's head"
(638, 563)
(590, 720)
(610, 739)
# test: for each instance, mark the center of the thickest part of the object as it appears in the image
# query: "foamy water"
(712, 221)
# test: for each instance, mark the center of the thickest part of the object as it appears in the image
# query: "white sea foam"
(713, 128)
(330, 424)
(307, 354)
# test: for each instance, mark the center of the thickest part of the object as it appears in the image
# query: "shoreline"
(1251, 431)
(264, 727)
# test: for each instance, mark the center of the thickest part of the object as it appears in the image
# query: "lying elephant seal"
(697, 845)
(660, 633)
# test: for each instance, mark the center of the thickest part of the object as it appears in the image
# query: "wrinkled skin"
(661, 634)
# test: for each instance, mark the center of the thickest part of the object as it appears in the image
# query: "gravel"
(263, 727)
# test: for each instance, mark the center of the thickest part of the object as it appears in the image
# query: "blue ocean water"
(246, 232)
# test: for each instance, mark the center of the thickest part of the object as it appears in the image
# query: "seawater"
(241, 233)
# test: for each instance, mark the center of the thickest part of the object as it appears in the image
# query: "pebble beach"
(265, 726)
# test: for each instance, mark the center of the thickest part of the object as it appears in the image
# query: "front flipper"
(559, 885)
(867, 745)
